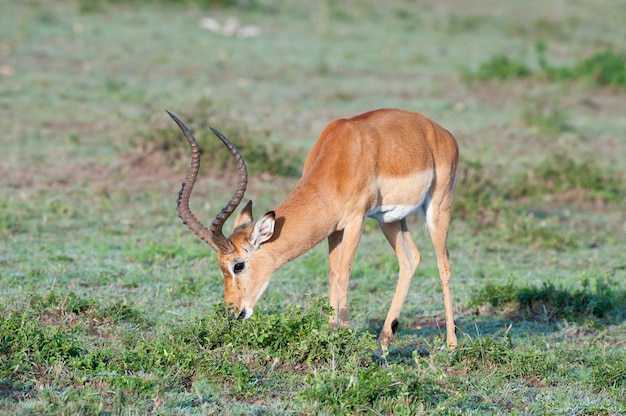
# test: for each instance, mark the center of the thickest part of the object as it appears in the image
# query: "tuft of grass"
(609, 371)
(501, 67)
(603, 68)
(597, 300)
(63, 305)
(496, 295)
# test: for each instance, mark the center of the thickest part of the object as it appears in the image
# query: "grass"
(261, 154)
(515, 211)
(108, 305)
(597, 300)
(248, 360)
(561, 173)
(502, 67)
(603, 68)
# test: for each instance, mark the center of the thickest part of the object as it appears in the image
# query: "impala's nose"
(245, 313)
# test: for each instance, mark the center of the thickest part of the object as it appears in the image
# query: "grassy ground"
(108, 303)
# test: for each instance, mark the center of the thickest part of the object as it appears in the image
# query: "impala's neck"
(302, 221)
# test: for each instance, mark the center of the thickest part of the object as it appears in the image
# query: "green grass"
(597, 300)
(502, 67)
(260, 153)
(605, 67)
(561, 173)
(109, 305)
(203, 364)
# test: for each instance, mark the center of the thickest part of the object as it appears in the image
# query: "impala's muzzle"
(245, 313)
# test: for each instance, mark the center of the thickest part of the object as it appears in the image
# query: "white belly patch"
(398, 197)
(391, 213)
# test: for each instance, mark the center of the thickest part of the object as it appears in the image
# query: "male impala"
(384, 164)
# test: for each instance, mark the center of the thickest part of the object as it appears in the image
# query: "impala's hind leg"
(438, 215)
(400, 239)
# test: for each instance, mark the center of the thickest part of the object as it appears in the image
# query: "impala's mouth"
(245, 313)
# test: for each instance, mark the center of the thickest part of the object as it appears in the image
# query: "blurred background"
(90, 163)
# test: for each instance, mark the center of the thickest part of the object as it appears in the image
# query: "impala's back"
(386, 160)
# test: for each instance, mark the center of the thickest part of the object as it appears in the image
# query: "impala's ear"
(263, 230)
(245, 216)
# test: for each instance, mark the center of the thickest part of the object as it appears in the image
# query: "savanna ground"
(109, 305)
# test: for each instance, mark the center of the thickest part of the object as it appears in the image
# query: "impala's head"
(245, 267)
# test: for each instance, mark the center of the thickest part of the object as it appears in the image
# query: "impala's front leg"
(334, 257)
(342, 249)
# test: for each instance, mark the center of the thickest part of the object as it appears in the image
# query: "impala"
(384, 164)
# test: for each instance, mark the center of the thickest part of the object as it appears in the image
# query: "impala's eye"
(238, 267)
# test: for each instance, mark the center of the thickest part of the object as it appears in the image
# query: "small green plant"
(501, 67)
(496, 295)
(556, 303)
(69, 303)
(24, 345)
(484, 351)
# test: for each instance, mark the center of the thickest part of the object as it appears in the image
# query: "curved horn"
(213, 236)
